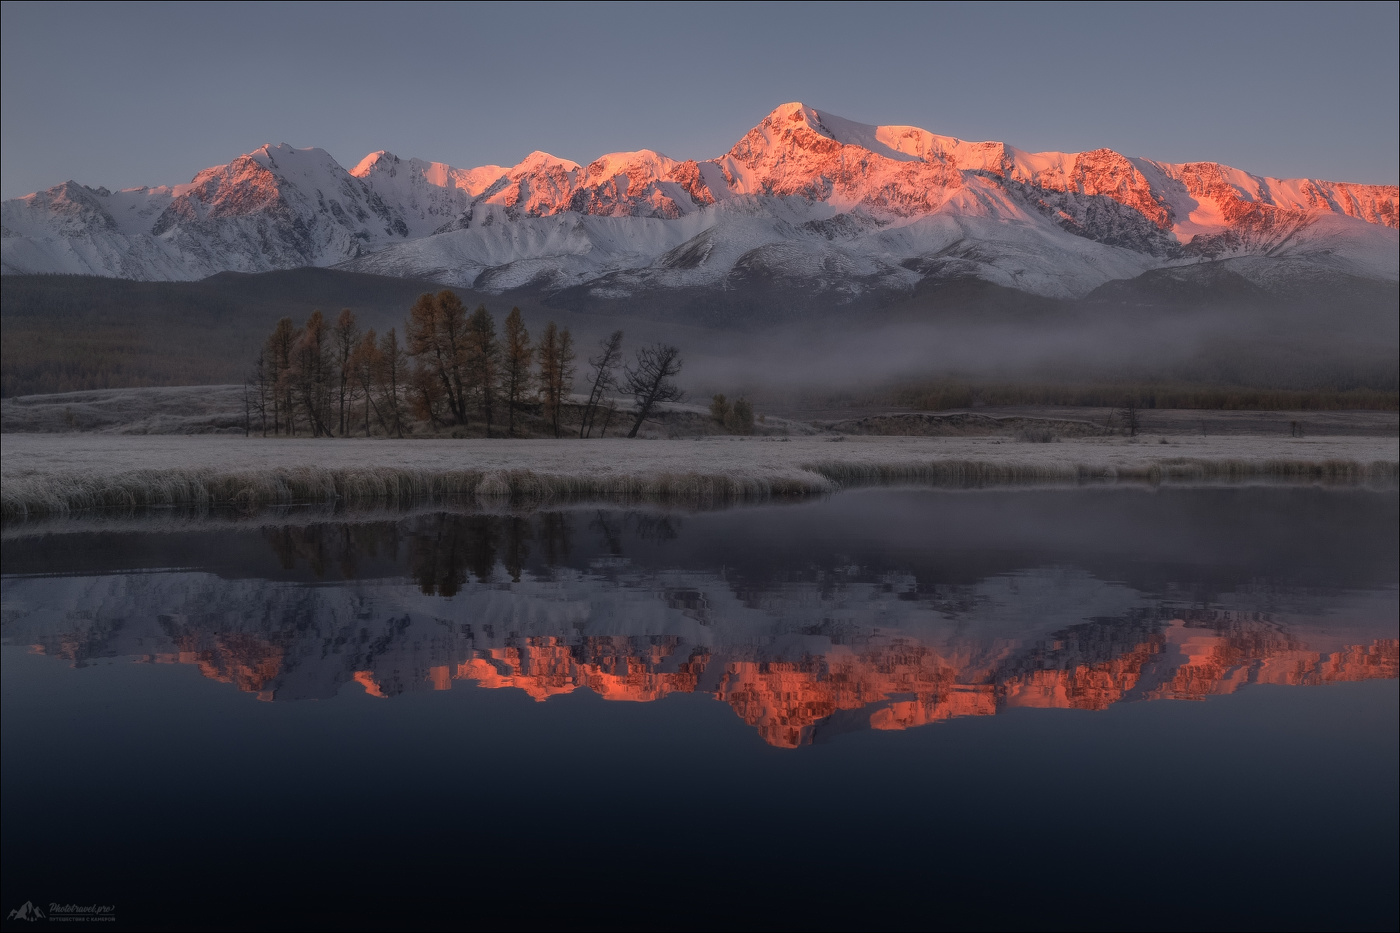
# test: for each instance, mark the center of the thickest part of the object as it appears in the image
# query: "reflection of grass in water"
(1179, 469)
(250, 490)
(308, 514)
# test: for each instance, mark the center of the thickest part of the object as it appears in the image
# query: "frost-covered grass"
(157, 410)
(48, 474)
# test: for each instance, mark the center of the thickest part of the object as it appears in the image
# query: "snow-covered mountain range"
(805, 198)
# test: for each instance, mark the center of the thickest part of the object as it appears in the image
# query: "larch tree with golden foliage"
(393, 364)
(515, 366)
(437, 337)
(363, 366)
(556, 372)
(345, 334)
(311, 372)
(278, 353)
(483, 361)
(260, 386)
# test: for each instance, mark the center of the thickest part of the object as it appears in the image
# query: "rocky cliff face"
(804, 196)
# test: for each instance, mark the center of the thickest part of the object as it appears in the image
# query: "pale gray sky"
(129, 94)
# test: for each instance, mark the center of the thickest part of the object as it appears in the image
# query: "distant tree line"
(734, 417)
(452, 370)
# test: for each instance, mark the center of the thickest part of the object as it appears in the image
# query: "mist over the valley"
(69, 333)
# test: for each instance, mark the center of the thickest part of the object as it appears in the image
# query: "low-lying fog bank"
(55, 474)
(208, 410)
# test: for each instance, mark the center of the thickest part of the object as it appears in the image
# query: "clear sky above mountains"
(129, 94)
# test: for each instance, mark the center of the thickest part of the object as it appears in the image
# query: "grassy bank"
(251, 490)
(47, 475)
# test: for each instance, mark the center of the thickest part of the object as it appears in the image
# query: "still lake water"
(1086, 708)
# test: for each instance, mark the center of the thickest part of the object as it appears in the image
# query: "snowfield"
(48, 474)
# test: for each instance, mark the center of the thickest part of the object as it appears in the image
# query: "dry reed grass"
(45, 494)
(40, 496)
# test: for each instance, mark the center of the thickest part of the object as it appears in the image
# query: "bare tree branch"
(648, 380)
(604, 364)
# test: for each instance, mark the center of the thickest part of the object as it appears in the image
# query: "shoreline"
(48, 475)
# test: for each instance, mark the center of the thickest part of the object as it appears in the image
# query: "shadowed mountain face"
(881, 610)
(842, 212)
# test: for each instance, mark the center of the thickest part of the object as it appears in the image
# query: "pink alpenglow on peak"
(804, 195)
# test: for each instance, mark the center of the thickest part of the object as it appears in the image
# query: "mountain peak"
(642, 160)
(805, 194)
(379, 160)
(797, 125)
(540, 159)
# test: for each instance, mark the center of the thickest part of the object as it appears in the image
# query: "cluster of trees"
(463, 369)
(736, 417)
(328, 379)
(452, 369)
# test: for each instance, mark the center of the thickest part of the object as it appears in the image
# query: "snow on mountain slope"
(275, 208)
(427, 194)
(513, 249)
(804, 197)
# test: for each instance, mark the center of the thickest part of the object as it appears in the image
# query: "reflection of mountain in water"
(552, 603)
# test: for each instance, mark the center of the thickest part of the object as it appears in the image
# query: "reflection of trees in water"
(645, 526)
(445, 548)
(604, 524)
(517, 535)
(341, 545)
(556, 532)
(653, 529)
(441, 550)
(435, 561)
